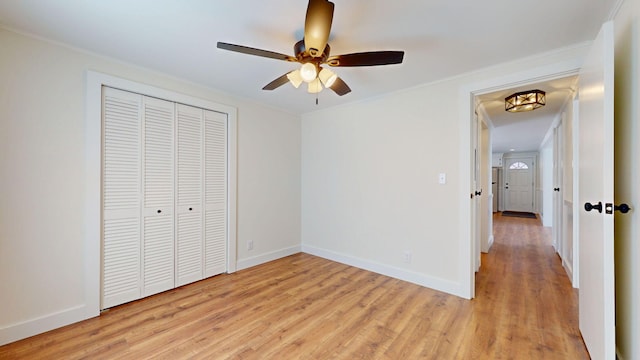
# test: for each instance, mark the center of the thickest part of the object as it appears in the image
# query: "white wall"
(370, 170)
(268, 184)
(370, 182)
(627, 163)
(42, 99)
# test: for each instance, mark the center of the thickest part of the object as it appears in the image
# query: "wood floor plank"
(306, 307)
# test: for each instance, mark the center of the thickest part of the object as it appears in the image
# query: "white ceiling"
(441, 38)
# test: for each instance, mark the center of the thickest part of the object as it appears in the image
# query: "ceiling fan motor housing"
(303, 56)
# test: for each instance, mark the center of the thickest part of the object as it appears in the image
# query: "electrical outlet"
(250, 245)
(406, 256)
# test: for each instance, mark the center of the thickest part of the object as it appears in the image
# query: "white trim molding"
(267, 257)
(387, 270)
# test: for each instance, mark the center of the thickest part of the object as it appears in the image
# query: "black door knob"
(590, 206)
(556, 189)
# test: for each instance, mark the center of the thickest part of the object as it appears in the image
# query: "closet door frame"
(93, 171)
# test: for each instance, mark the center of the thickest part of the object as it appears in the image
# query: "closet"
(164, 195)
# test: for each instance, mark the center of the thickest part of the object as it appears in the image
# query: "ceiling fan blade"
(317, 26)
(277, 82)
(372, 58)
(254, 51)
(340, 87)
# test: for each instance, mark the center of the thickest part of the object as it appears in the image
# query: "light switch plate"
(442, 178)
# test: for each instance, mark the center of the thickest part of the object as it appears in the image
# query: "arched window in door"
(518, 165)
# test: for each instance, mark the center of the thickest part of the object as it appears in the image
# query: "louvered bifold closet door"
(189, 243)
(215, 183)
(158, 188)
(121, 196)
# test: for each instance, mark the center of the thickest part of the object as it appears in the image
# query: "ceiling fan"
(313, 51)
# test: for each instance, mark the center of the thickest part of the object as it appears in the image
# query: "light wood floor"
(305, 307)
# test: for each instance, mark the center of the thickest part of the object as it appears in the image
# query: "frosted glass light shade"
(308, 72)
(315, 86)
(295, 78)
(327, 77)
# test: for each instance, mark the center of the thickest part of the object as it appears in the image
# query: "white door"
(519, 184)
(558, 200)
(158, 201)
(215, 193)
(597, 289)
(122, 122)
(189, 245)
(475, 200)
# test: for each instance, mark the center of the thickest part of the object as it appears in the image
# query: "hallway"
(524, 291)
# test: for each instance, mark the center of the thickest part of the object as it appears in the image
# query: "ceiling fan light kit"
(308, 72)
(314, 86)
(525, 101)
(327, 77)
(295, 78)
(313, 51)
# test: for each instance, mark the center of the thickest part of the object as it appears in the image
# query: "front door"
(595, 191)
(518, 186)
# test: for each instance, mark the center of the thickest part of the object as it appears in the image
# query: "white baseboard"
(264, 258)
(568, 268)
(25, 329)
(446, 286)
(489, 243)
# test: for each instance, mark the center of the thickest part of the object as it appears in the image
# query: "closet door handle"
(190, 209)
(159, 211)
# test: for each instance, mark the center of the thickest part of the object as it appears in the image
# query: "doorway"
(475, 97)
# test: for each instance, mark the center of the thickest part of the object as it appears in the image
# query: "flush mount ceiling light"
(525, 101)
